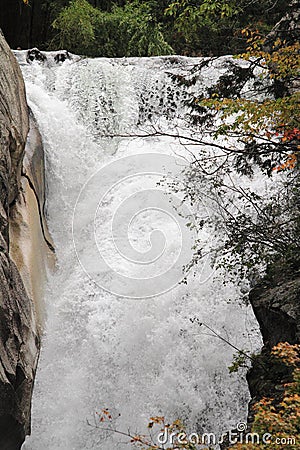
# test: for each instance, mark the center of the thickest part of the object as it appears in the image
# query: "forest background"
(136, 27)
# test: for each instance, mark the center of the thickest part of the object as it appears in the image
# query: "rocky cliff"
(276, 304)
(22, 235)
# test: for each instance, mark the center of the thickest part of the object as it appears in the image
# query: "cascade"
(118, 333)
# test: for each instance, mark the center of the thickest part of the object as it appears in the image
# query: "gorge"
(112, 339)
(138, 357)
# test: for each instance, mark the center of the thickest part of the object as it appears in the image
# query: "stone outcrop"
(21, 275)
(31, 246)
(277, 308)
(276, 303)
(14, 124)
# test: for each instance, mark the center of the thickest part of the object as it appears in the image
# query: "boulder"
(21, 235)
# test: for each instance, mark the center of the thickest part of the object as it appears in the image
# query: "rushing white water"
(138, 357)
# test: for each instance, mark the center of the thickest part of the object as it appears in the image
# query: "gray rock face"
(277, 310)
(19, 338)
(13, 122)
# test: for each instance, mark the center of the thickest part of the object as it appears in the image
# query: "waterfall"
(118, 333)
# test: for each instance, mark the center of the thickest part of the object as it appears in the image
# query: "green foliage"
(190, 27)
(213, 26)
(206, 12)
(199, 24)
(124, 31)
(240, 359)
(130, 31)
(76, 24)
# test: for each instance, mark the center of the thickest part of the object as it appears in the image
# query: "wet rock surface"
(276, 305)
(19, 335)
(277, 309)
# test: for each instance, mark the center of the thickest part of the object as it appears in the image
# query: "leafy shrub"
(280, 419)
(124, 31)
(76, 25)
